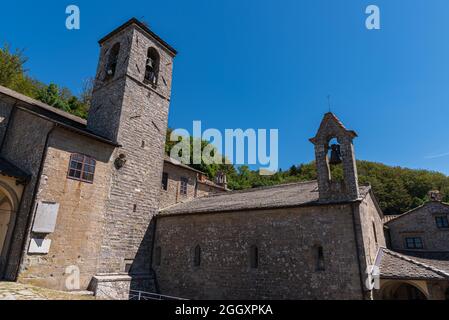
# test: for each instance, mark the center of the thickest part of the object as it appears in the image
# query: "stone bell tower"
(130, 105)
(341, 153)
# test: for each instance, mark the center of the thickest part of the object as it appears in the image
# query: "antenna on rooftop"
(142, 19)
(329, 102)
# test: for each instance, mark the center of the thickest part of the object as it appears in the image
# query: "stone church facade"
(85, 198)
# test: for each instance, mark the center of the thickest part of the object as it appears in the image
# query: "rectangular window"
(128, 265)
(442, 222)
(184, 184)
(414, 243)
(165, 181)
(81, 168)
(320, 259)
(158, 256)
(254, 257)
(375, 232)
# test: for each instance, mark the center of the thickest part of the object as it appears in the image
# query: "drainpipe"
(33, 204)
(354, 226)
(196, 186)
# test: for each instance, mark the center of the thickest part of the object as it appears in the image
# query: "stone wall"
(198, 185)
(206, 188)
(371, 229)
(421, 223)
(172, 195)
(287, 241)
(140, 118)
(330, 189)
(77, 238)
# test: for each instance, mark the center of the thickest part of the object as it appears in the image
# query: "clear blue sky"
(270, 64)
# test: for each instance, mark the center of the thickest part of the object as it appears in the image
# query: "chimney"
(221, 179)
(435, 195)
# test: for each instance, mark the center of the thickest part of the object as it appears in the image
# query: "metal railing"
(142, 296)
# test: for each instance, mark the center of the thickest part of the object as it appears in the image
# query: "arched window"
(197, 258)
(112, 61)
(254, 257)
(157, 256)
(319, 252)
(152, 66)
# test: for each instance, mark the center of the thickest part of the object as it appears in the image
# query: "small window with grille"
(442, 222)
(81, 168)
(165, 181)
(320, 259)
(254, 257)
(197, 257)
(184, 184)
(414, 243)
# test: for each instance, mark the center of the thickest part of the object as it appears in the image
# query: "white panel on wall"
(39, 246)
(45, 219)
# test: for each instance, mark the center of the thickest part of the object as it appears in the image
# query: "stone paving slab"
(17, 291)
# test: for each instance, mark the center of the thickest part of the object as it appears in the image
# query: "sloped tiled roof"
(436, 259)
(174, 162)
(144, 28)
(395, 265)
(388, 218)
(286, 195)
(331, 119)
(57, 116)
(399, 216)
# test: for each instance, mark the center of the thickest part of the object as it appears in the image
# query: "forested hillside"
(13, 75)
(397, 189)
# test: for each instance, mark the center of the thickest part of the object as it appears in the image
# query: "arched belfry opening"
(152, 66)
(335, 161)
(111, 66)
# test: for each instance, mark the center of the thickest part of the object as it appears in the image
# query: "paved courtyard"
(17, 291)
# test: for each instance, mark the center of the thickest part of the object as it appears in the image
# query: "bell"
(150, 63)
(335, 155)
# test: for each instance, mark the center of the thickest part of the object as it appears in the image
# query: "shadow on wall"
(140, 270)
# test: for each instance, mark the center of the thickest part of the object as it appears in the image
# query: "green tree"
(14, 76)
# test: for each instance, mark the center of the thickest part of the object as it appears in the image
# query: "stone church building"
(85, 198)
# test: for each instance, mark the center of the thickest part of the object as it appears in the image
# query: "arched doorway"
(408, 292)
(402, 291)
(8, 207)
